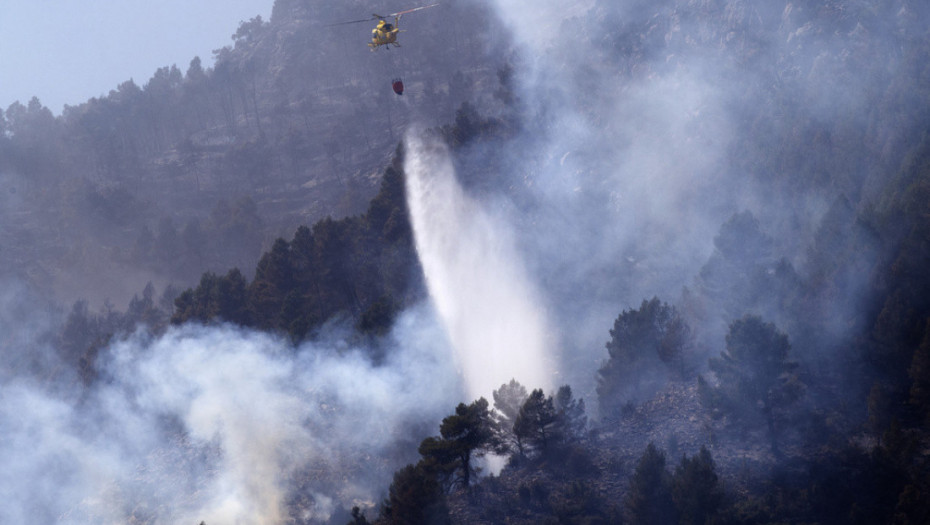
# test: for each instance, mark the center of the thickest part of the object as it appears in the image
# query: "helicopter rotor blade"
(353, 21)
(414, 9)
(376, 16)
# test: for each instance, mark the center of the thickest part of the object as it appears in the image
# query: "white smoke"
(646, 125)
(494, 316)
(224, 426)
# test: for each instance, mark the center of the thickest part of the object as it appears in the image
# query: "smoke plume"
(222, 425)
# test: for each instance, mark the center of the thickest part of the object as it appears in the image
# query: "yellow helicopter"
(385, 33)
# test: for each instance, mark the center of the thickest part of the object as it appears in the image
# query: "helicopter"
(385, 33)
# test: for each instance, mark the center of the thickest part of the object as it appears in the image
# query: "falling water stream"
(491, 310)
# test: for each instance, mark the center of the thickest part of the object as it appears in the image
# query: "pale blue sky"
(67, 51)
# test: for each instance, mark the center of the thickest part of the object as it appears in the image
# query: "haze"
(707, 219)
(66, 52)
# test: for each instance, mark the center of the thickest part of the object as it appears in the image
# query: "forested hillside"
(784, 383)
(201, 167)
(715, 212)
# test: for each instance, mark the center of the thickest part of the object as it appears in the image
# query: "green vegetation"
(363, 268)
(649, 342)
(755, 376)
(791, 377)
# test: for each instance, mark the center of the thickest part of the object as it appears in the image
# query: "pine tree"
(644, 344)
(466, 435)
(756, 376)
(414, 498)
(537, 425)
(571, 413)
(695, 489)
(507, 402)
(649, 499)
